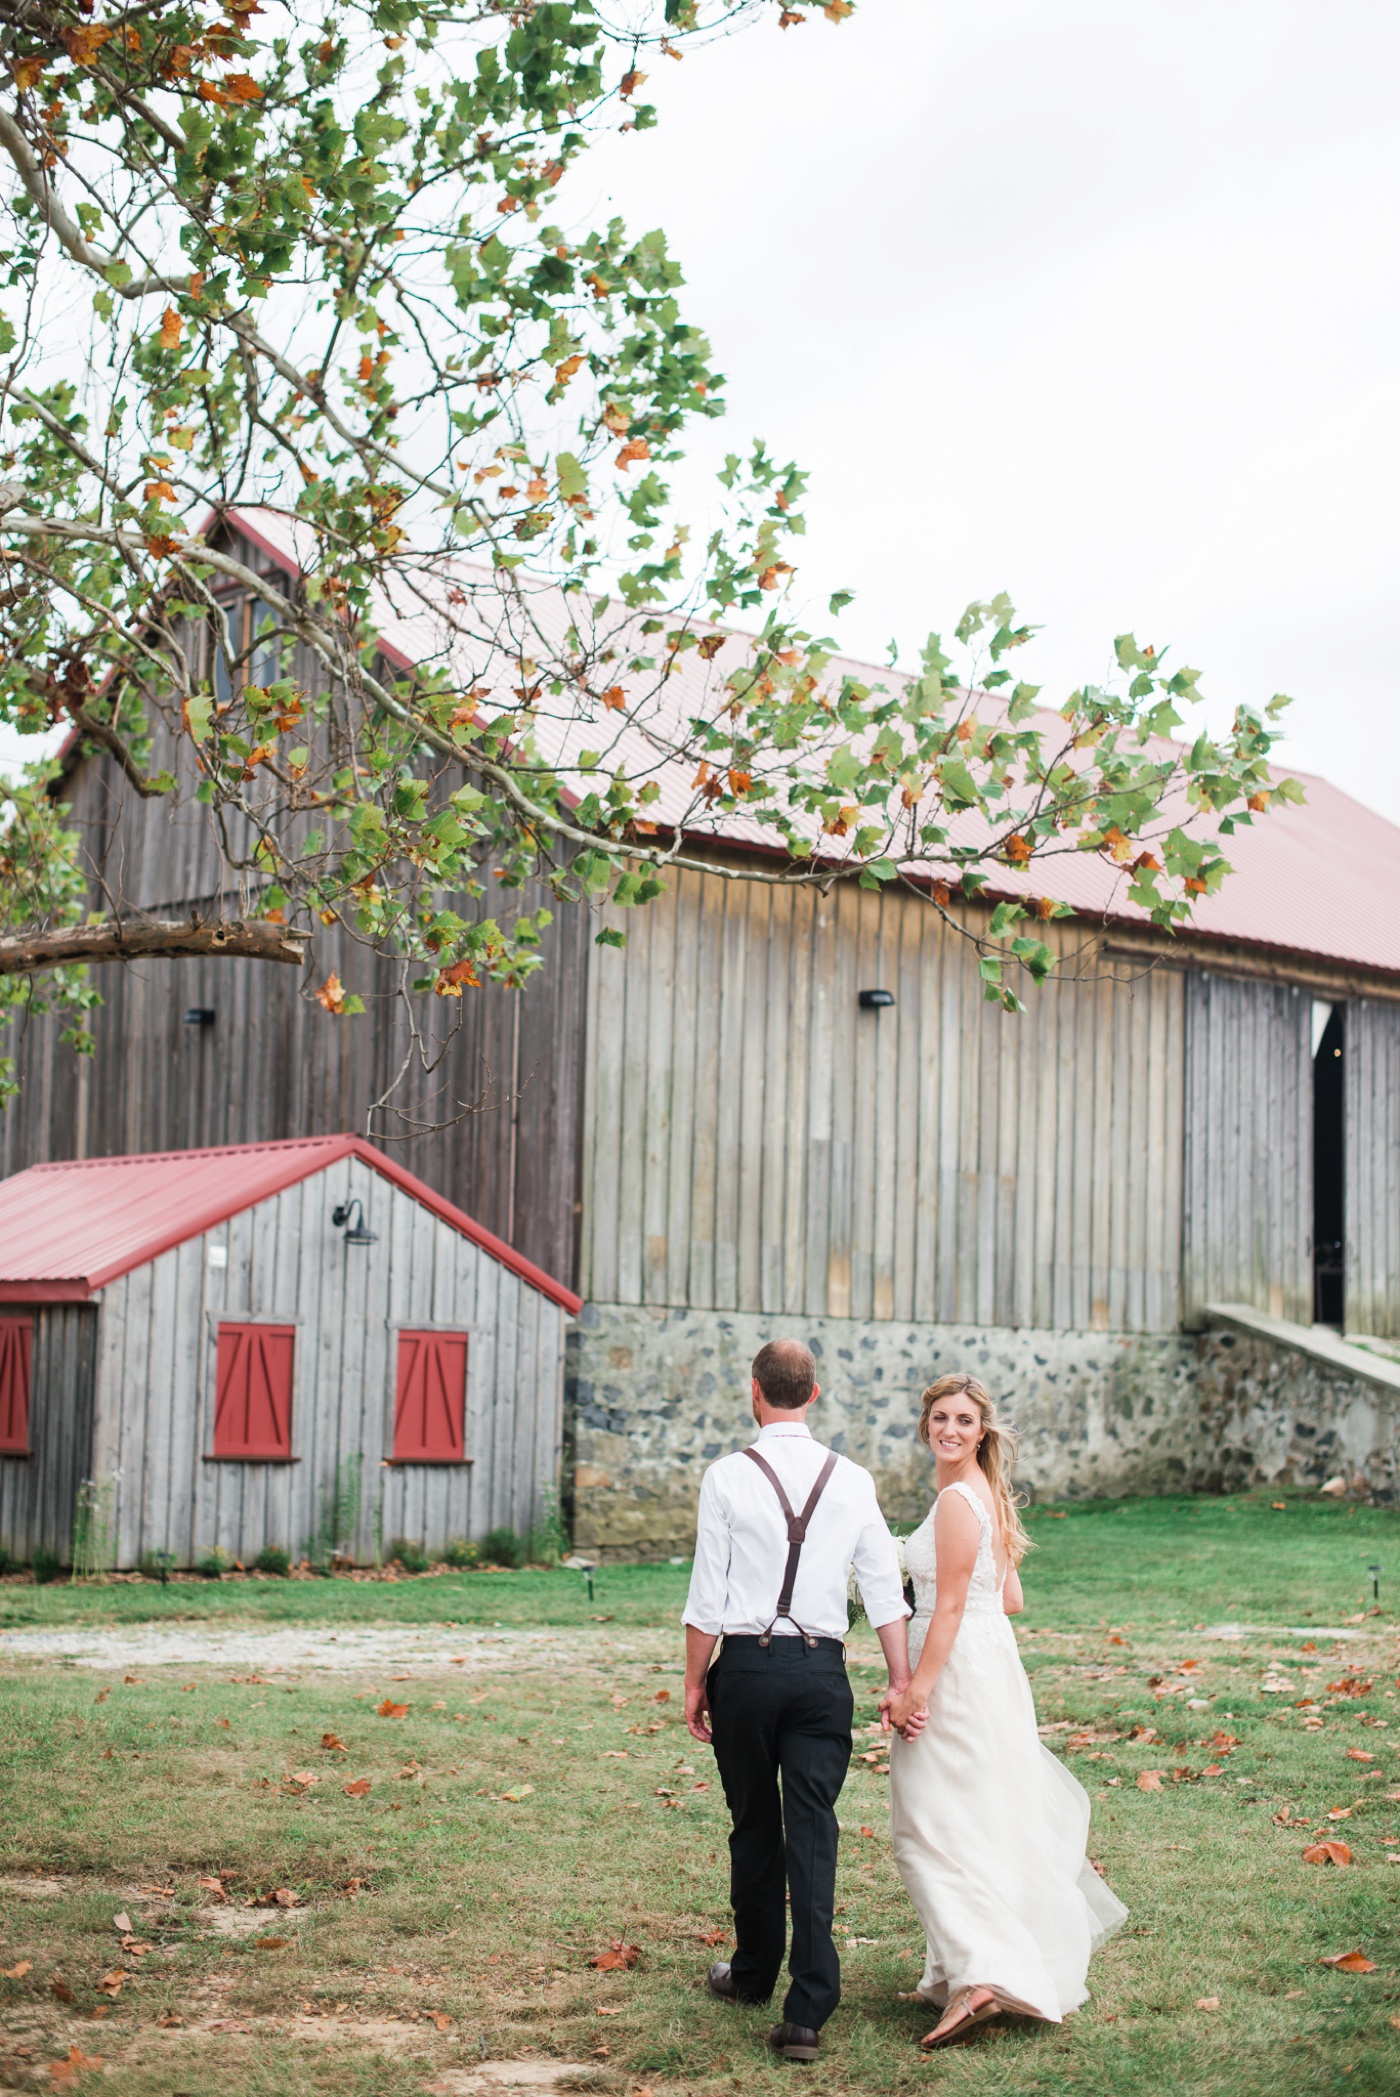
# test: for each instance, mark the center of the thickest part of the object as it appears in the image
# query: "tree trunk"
(253, 939)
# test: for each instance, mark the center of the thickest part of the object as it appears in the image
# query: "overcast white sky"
(1096, 302)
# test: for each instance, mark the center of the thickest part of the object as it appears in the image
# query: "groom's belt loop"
(797, 1534)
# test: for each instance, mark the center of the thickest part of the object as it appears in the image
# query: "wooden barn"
(295, 1344)
(1159, 1210)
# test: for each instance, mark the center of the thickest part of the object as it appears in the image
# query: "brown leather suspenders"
(797, 1535)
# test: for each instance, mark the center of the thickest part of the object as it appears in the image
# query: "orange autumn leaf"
(710, 647)
(17, 1972)
(618, 1958)
(1350, 1686)
(1149, 1780)
(331, 994)
(663, 1696)
(450, 980)
(1018, 849)
(631, 82)
(635, 448)
(740, 782)
(271, 1943)
(27, 71)
(1359, 1755)
(334, 1741)
(171, 327)
(111, 1983)
(1350, 1962)
(357, 1787)
(241, 87)
(715, 1936)
(1117, 845)
(63, 2074)
(1327, 1853)
(389, 1709)
(1207, 2002)
(565, 371)
(82, 46)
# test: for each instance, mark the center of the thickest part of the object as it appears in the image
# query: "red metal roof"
(69, 1228)
(1316, 881)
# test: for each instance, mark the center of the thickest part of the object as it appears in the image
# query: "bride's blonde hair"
(996, 1453)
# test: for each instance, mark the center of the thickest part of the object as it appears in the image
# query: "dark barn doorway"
(1329, 1170)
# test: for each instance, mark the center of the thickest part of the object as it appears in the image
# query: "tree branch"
(41, 192)
(151, 939)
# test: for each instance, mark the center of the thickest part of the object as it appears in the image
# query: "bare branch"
(175, 939)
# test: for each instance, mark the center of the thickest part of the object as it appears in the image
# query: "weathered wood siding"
(288, 1263)
(274, 1064)
(1248, 1211)
(753, 1140)
(1372, 1097)
(39, 1492)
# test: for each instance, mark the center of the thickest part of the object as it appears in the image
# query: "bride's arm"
(1012, 1599)
(955, 1540)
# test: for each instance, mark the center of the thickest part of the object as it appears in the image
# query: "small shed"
(295, 1344)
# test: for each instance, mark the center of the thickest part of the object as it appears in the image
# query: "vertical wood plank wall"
(753, 1140)
(286, 1261)
(1248, 1210)
(39, 1493)
(1372, 1106)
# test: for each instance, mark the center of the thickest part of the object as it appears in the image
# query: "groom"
(779, 1524)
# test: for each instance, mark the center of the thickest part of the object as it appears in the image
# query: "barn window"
(16, 1360)
(253, 1392)
(430, 1399)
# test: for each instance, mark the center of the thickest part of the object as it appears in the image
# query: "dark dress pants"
(783, 1710)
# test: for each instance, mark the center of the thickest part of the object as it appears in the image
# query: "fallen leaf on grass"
(1149, 1780)
(619, 1957)
(714, 1936)
(62, 2073)
(607, 2013)
(1339, 1813)
(441, 2019)
(156, 1892)
(1212, 1769)
(169, 2021)
(123, 1922)
(271, 1943)
(111, 1983)
(96, 2016)
(135, 1950)
(284, 1898)
(60, 1991)
(514, 1797)
(1359, 1755)
(1350, 1962)
(1327, 1853)
(17, 1972)
(357, 1787)
(216, 1887)
(1207, 2002)
(1350, 1686)
(335, 1743)
(663, 1696)
(304, 1779)
(389, 1709)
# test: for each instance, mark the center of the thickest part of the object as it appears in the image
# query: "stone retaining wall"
(655, 1395)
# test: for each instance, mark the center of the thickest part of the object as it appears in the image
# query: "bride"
(989, 1827)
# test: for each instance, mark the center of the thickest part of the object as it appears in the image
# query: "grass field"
(440, 1923)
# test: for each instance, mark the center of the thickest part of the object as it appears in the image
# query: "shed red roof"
(69, 1228)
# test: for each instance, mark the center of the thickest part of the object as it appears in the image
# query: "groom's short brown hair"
(786, 1372)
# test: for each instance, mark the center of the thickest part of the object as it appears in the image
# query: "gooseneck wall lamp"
(355, 1233)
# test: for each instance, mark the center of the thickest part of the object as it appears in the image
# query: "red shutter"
(253, 1392)
(430, 1403)
(16, 1359)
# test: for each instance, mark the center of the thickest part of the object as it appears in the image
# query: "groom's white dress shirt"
(741, 1543)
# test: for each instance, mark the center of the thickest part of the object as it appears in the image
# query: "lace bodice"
(984, 1589)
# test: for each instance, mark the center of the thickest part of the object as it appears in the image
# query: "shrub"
(275, 1558)
(501, 1547)
(157, 1565)
(47, 1565)
(412, 1557)
(461, 1555)
(215, 1563)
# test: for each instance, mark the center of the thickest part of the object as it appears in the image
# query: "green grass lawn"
(439, 1921)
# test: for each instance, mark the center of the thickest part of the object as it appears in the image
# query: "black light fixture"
(355, 1233)
(199, 1016)
(875, 1000)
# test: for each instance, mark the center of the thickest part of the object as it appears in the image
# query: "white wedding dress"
(989, 1827)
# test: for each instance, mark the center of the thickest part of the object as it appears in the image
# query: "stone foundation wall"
(655, 1395)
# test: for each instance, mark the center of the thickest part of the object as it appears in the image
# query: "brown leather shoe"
(795, 2042)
